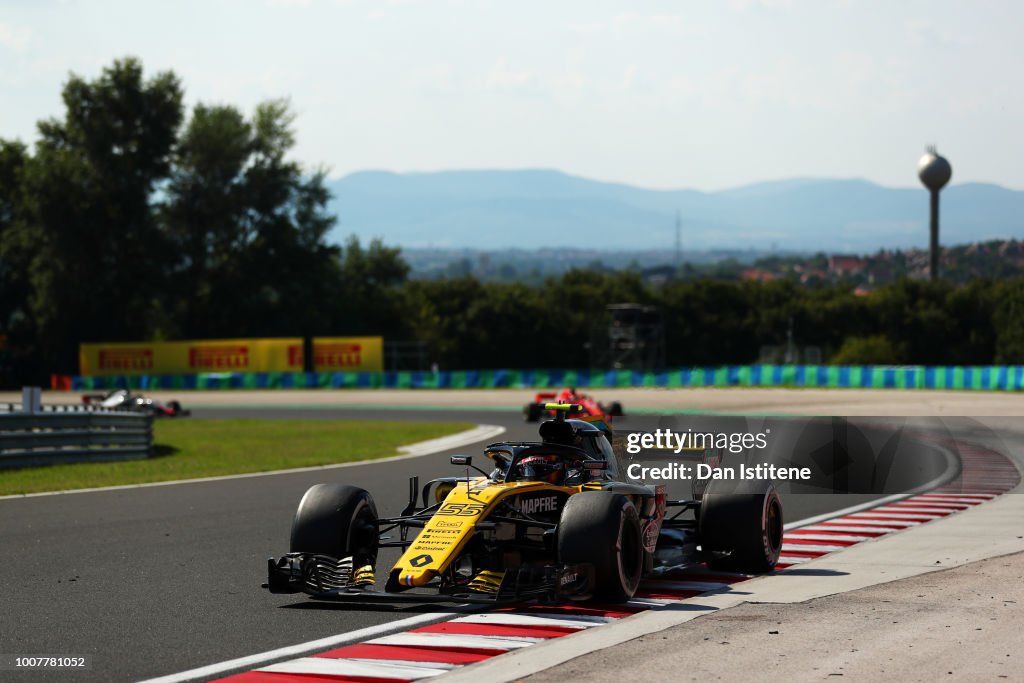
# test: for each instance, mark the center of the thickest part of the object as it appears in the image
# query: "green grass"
(188, 449)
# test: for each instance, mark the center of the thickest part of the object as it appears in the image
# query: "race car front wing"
(329, 578)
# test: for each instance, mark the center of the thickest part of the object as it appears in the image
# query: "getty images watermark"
(667, 440)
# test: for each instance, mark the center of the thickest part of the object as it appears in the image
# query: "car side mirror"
(595, 465)
(464, 460)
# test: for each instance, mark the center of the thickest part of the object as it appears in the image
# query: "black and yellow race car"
(553, 520)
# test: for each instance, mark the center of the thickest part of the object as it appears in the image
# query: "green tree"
(367, 299)
(15, 331)
(13, 259)
(97, 256)
(914, 315)
(873, 350)
(709, 322)
(1008, 322)
(248, 228)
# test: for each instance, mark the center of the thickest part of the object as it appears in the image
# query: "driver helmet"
(559, 432)
(542, 468)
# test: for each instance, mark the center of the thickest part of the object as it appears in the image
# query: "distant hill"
(532, 208)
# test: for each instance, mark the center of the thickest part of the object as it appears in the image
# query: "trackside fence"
(56, 435)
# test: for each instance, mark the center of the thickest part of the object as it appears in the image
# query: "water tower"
(934, 171)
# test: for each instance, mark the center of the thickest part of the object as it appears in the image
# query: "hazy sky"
(704, 94)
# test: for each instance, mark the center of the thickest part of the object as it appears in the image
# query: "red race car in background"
(533, 412)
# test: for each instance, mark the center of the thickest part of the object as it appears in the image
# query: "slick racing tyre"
(602, 529)
(336, 520)
(616, 409)
(740, 525)
(532, 412)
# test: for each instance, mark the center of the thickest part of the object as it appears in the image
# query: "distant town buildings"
(863, 273)
(840, 265)
(996, 259)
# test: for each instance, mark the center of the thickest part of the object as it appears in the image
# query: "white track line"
(959, 497)
(457, 640)
(403, 662)
(888, 514)
(848, 528)
(930, 509)
(534, 619)
(880, 523)
(416, 450)
(444, 443)
(802, 535)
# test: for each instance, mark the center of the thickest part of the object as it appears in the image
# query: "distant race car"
(121, 399)
(555, 519)
(533, 412)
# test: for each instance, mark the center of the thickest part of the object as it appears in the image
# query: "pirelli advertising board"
(330, 354)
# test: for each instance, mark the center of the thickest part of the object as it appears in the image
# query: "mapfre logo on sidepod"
(540, 504)
(218, 357)
(126, 359)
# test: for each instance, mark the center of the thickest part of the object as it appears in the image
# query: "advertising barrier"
(981, 378)
(343, 354)
(351, 354)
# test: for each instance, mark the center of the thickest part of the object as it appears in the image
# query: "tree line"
(131, 218)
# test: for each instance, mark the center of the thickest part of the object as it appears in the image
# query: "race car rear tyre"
(741, 525)
(602, 529)
(532, 412)
(175, 407)
(336, 520)
(616, 409)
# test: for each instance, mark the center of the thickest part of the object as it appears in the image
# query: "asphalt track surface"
(156, 580)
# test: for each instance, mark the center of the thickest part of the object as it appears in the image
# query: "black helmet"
(541, 468)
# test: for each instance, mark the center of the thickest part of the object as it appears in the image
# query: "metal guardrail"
(64, 434)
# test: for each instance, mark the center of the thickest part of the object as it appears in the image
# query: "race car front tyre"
(602, 529)
(741, 525)
(532, 412)
(336, 520)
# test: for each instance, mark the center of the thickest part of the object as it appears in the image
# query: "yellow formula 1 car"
(555, 519)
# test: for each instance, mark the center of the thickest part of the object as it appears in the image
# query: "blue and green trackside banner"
(981, 378)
